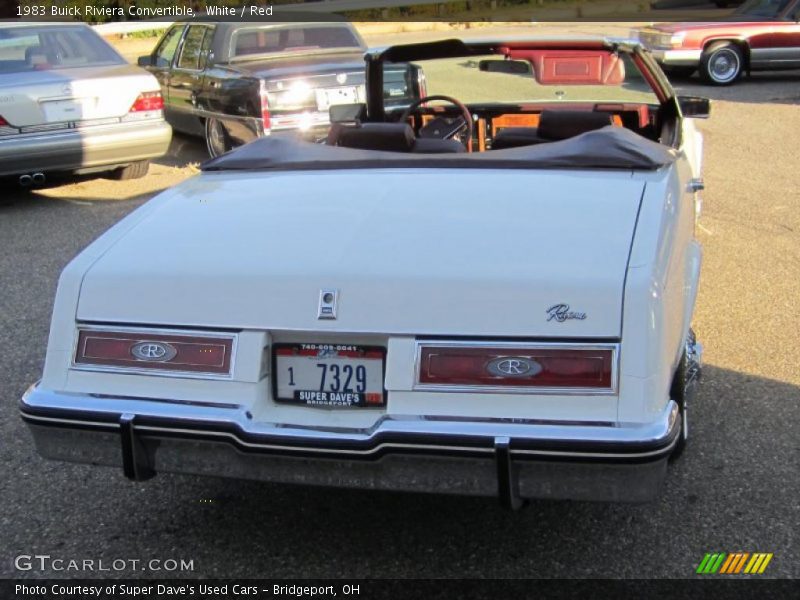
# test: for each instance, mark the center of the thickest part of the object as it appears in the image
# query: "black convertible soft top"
(607, 148)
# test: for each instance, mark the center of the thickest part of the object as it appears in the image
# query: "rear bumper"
(83, 149)
(491, 457)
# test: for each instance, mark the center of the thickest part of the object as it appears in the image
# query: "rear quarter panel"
(660, 292)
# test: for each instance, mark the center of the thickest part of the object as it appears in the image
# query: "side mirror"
(695, 107)
(145, 61)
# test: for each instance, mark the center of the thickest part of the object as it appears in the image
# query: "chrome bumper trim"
(491, 457)
(678, 58)
(390, 432)
(84, 148)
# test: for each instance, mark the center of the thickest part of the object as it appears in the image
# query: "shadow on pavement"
(184, 151)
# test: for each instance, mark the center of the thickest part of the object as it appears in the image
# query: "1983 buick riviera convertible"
(488, 291)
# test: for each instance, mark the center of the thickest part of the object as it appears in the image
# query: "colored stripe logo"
(734, 564)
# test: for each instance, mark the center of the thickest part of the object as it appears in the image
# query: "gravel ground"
(736, 488)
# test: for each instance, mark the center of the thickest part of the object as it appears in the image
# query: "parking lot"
(737, 487)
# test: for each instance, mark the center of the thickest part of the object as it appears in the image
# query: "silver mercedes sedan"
(69, 103)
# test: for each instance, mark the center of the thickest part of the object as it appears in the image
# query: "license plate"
(327, 97)
(329, 375)
(73, 109)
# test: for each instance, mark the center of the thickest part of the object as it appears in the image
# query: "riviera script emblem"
(561, 313)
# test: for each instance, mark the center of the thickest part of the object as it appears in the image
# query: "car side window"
(206, 53)
(166, 49)
(192, 50)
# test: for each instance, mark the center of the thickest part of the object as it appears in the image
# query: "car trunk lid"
(71, 96)
(413, 251)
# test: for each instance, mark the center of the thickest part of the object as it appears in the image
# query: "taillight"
(423, 85)
(147, 102)
(154, 351)
(3, 122)
(516, 367)
(265, 117)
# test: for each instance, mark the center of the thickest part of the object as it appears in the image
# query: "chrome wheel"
(722, 63)
(217, 139)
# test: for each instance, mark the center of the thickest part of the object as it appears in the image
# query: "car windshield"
(538, 76)
(258, 41)
(47, 48)
(762, 8)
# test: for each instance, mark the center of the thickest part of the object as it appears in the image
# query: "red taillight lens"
(557, 367)
(164, 352)
(148, 101)
(3, 122)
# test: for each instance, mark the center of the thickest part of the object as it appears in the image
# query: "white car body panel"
(389, 251)
(387, 293)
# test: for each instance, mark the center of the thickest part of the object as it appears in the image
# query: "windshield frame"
(456, 48)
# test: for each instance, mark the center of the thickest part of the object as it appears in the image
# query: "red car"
(759, 35)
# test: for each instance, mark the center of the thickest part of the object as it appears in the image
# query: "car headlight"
(657, 39)
(671, 40)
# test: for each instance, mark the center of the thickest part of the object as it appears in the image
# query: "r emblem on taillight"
(156, 351)
(513, 366)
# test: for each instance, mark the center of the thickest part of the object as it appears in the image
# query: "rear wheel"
(678, 384)
(218, 141)
(135, 170)
(682, 390)
(721, 63)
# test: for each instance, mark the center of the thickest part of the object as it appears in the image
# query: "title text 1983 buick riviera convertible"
(486, 293)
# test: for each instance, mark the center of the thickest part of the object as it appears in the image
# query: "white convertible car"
(488, 292)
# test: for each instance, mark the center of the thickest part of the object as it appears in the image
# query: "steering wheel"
(465, 114)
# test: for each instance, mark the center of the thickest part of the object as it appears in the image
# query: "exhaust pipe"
(38, 178)
(25, 180)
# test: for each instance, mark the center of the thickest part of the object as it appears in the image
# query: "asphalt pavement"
(735, 489)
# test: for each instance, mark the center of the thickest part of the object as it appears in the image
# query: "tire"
(218, 141)
(721, 63)
(135, 170)
(678, 392)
